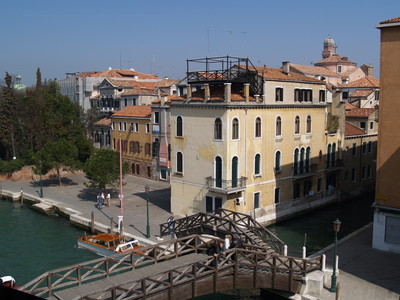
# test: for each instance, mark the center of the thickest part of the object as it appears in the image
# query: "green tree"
(57, 155)
(102, 169)
(7, 119)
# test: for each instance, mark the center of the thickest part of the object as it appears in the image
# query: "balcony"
(226, 186)
(301, 172)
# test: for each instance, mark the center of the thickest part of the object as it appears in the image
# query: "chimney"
(189, 92)
(227, 96)
(163, 99)
(246, 91)
(206, 92)
(286, 67)
(370, 71)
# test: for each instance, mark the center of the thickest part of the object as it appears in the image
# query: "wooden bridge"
(178, 269)
(222, 222)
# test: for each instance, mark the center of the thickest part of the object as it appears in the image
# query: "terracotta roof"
(360, 112)
(139, 91)
(362, 83)
(335, 58)
(278, 74)
(349, 106)
(166, 82)
(313, 70)
(361, 93)
(350, 130)
(103, 122)
(394, 20)
(140, 111)
(120, 73)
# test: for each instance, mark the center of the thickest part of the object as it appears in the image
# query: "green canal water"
(32, 243)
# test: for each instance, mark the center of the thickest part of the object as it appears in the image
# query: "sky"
(158, 37)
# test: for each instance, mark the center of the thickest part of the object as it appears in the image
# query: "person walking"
(171, 224)
(108, 198)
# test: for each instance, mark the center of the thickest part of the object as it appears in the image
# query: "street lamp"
(336, 228)
(41, 186)
(147, 189)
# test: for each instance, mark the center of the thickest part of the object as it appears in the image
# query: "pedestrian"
(99, 201)
(170, 222)
(108, 198)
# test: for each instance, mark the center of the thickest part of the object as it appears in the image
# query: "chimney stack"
(370, 71)
(228, 92)
(286, 67)
(246, 91)
(189, 92)
(206, 92)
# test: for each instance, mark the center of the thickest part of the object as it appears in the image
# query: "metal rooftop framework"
(218, 70)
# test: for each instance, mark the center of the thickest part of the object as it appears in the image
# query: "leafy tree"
(102, 169)
(57, 155)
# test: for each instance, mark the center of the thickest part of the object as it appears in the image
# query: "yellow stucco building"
(251, 139)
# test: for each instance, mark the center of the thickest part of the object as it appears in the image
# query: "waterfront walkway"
(365, 273)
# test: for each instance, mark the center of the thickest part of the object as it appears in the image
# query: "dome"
(329, 41)
(19, 86)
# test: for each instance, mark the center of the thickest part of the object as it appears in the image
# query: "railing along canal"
(249, 257)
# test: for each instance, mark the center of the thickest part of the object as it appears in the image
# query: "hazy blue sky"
(158, 36)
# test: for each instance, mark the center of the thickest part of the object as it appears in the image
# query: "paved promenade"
(365, 273)
(75, 198)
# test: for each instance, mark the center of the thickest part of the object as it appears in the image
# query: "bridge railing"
(45, 284)
(224, 221)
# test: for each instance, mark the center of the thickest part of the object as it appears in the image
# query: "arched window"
(179, 126)
(328, 157)
(308, 153)
(333, 160)
(297, 125)
(308, 126)
(235, 172)
(296, 161)
(218, 172)
(258, 127)
(257, 164)
(179, 162)
(218, 129)
(277, 161)
(235, 129)
(278, 126)
(301, 165)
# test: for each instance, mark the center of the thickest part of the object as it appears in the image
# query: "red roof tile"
(166, 82)
(103, 122)
(394, 20)
(350, 130)
(361, 93)
(360, 112)
(350, 106)
(362, 83)
(313, 70)
(120, 73)
(278, 74)
(335, 58)
(140, 111)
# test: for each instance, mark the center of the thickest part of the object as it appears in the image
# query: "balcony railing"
(226, 186)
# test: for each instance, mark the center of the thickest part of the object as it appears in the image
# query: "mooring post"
(92, 224)
(22, 197)
(111, 225)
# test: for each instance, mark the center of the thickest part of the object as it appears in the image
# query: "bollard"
(22, 197)
(92, 224)
(337, 292)
(323, 263)
(285, 250)
(304, 252)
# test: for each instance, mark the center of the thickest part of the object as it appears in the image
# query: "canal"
(33, 243)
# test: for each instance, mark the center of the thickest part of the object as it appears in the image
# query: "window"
(126, 102)
(301, 164)
(235, 166)
(163, 174)
(307, 188)
(308, 159)
(256, 200)
(308, 125)
(131, 146)
(134, 127)
(328, 156)
(345, 94)
(113, 125)
(322, 95)
(295, 161)
(213, 203)
(376, 95)
(363, 172)
(297, 125)
(218, 172)
(353, 175)
(235, 129)
(147, 128)
(277, 161)
(319, 185)
(354, 150)
(296, 190)
(179, 126)
(278, 126)
(156, 117)
(131, 127)
(137, 169)
(257, 164)
(369, 171)
(339, 69)
(124, 126)
(362, 125)
(124, 146)
(297, 95)
(277, 195)
(371, 125)
(333, 160)
(136, 147)
(308, 96)
(369, 147)
(179, 163)
(364, 147)
(218, 129)
(156, 148)
(258, 127)
(279, 94)
(148, 171)
(120, 126)
(147, 148)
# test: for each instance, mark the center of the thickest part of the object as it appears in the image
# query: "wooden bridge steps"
(105, 284)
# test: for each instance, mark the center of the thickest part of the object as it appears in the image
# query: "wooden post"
(194, 281)
(338, 292)
(92, 224)
(112, 225)
(22, 197)
(121, 228)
